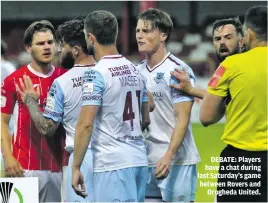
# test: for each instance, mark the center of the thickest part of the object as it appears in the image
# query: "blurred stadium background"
(191, 41)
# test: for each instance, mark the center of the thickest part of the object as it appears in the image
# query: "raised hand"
(26, 89)
(184, 81)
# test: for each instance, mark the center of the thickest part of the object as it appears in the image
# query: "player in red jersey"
(33, 155)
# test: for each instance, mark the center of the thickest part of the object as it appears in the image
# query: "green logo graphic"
(5, 191)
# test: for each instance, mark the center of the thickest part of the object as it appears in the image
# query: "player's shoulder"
(62, 79)
(94, 72)
(14, 76)
(142, 65)
(175, 61)
(69, 75)
(23, 68)
(20, 72)
(59, 75)
(235, 60)
(64, 74)
(110, 60)
(58, 71)
(105, 65)
(101, 66)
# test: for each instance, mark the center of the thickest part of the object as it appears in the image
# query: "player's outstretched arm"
(185, 85)
(30, 98)
(182, 114)
(12, 166)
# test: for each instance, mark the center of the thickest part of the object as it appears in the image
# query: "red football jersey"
(33, 150)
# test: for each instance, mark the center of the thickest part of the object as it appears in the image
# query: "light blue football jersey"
(158, 79)
(115, 84)
(64, 101)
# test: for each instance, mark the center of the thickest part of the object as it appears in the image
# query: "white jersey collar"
(83, 65)
(151, 69)
(112, 56)
(40, 74)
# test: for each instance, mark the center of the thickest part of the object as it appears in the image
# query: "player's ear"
(163, 37)
(28, 48)
(75, 51)
(92, 38)
(251, 34)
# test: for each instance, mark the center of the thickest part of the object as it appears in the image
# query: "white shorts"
(68, 193)
(179, 186)
(49, 184)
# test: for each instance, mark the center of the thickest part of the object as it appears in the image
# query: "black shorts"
(245, 179)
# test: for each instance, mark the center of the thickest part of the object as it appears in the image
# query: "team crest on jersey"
(159, 78)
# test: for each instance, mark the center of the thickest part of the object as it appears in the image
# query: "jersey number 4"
(128, 110)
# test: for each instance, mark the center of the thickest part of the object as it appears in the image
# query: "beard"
(221, 58)
(67, 61)
(244, 48)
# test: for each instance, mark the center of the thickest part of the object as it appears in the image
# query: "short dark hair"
(37, 26)
(80, 18)
(72, 32)
(233, 21)
(256, 19)
(160, 20)
(103, 25)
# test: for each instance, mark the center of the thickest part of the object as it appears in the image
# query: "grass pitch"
(209, 144)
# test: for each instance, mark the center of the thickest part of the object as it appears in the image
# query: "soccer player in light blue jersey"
(171, 149)
(64, 102)
(113, 93)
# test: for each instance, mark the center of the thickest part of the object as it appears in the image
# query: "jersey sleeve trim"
(183, 99)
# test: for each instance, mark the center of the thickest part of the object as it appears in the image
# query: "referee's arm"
(212, 109)
(214, 103)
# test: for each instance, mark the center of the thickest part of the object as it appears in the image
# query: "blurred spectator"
(6, 67)
(24, 58)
